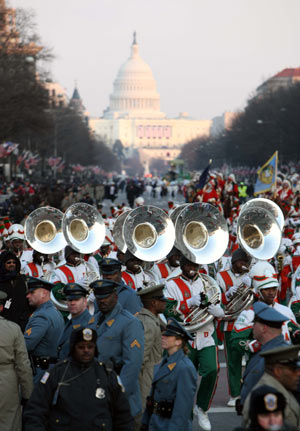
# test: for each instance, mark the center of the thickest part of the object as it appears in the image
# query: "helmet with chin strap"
(263, 275)
(16, 231)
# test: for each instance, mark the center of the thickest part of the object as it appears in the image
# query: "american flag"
(7, 148)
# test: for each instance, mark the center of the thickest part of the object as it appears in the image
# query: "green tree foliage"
(268, 123)
(23, 99)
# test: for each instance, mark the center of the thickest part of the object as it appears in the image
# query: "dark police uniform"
(73, 291)
(121, 340)
(127, 297)
(173, 391)
(74, 396)
(42, 332)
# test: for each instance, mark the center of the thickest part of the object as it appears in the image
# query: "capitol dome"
(134, 90)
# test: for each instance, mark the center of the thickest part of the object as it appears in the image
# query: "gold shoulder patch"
(110, 322)
(92, 320)
(135, 343)
(76, 326)
(171, 366)
(28, 332)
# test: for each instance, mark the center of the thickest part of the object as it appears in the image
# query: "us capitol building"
(134, 116)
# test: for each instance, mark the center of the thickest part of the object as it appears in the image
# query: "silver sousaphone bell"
(43, 230)
(201, 233)
(267, 204)
(258, 231)
(148, 233)
(83, 228)
(117, 231)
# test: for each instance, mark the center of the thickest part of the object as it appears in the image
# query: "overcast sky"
(207, 56)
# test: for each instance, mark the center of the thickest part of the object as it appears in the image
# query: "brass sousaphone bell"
(83, 228)
(259, 228)
(149, 233)
(43, 230)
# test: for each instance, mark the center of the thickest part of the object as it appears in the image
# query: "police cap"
(83, 334)
(286, 355)
(174, 328)
(153, 292)
(104, 288)
(264, 400)
(37, 283)
(74, 291)
(110, 266)
(268, 315)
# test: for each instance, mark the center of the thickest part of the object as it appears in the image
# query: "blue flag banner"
(266, 175)
(203, 177)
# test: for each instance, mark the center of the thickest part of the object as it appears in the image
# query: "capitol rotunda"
(134, 116)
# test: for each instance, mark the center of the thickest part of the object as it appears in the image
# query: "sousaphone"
(43, 230)
(202, 237)
(149, 233)
(83, 228)
(117, 231)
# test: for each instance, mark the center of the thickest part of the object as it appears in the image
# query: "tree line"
(27, 115)
(268, 123)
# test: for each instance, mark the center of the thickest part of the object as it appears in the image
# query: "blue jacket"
(121, 340)
(128, 298)
(174, 380)
(42, 333)
(80, 321)
(256, 366)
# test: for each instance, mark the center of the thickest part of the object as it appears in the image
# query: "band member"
(134, 276)
(73, 271)
(17, 244)
(166, 267)
(41, 265)
(171, 399)
(230, 281)
(185, 292)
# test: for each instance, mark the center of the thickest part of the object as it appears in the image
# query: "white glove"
(246, 280)
(216, 310)
(231, 291)
(83, 283)
(194, 300)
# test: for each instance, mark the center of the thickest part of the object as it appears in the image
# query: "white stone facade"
(134, 115)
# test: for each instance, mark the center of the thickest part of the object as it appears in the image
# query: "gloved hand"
(246, 280)
(239, 407)
(231, 291)
(296, 337)
(216, 310)
(24, 402)
(194, 300)
(83, 282)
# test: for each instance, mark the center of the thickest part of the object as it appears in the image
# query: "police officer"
(120, 339)
(79, 393)
(170, 403)
(111, 269)
(44, 328)
(77, 305)
(267, 331)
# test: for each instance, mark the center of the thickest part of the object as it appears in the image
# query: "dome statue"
(134, 90)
